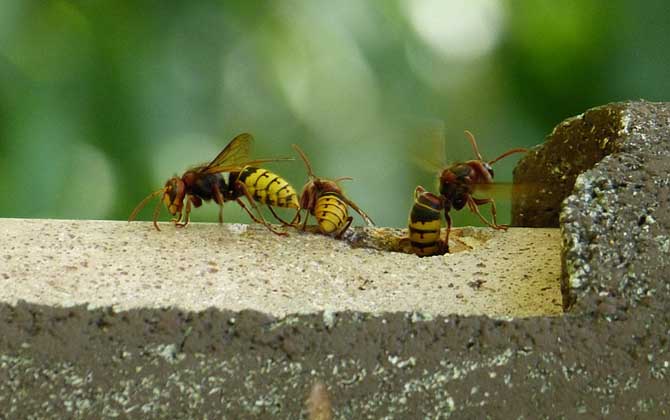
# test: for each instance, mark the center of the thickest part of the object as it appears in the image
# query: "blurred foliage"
(102, 101)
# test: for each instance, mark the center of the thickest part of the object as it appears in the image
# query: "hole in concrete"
(496, 273)
(390, 239)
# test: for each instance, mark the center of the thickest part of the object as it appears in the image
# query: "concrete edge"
(605, 358)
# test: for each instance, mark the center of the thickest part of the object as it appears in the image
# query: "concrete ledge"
(606, 357)
(242, 267)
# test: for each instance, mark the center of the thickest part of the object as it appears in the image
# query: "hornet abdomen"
(425, 223)
(268, 188)
(331, 213)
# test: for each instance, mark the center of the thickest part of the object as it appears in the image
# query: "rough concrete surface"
(617, 221)
(546, 175)
(607, 357)
(238, 267)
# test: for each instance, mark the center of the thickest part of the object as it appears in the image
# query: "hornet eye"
(489, 169)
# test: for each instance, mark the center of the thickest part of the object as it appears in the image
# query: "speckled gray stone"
(607, 357)
(546, 175)
(616, 223)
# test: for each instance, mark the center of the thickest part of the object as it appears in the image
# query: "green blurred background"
(102, 101)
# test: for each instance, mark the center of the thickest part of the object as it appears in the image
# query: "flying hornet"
(207, 182)
(460, 180)
(325, 200)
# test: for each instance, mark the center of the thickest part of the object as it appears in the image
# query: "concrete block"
(160, 327)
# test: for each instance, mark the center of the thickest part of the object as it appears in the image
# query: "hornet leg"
(296, 219)
(243, 189)
(218, 197)
(283, 222)
(157, 212)
(474, 204)
(183, 221)
(446, 239)
(344, 229)
(304, 224)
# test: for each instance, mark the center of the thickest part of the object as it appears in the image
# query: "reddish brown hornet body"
(207, 182)
(459, 181)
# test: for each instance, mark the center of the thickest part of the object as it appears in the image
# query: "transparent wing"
(428, 147)
(505, 190)
(234, 156)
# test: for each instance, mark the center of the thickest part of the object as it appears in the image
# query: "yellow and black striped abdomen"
(424, 229)
(330, 212)
(268, 188)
